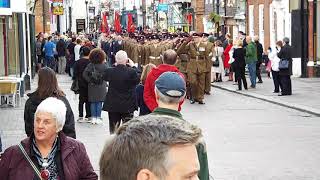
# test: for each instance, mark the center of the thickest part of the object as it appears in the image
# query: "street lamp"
(86, 2)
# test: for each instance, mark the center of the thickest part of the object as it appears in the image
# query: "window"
(251, 21)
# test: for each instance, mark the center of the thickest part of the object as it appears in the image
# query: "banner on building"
(5, 8)
(57, 7)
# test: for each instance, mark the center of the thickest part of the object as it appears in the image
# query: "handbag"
(284, 64)
(75, 86)
(216, 62)
(34, 167)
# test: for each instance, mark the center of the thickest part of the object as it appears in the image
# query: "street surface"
(247, 139)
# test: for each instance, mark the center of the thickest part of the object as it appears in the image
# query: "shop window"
(13, 46)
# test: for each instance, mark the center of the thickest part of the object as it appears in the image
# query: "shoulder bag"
(284, 64)
(34, 167)
(216, 61)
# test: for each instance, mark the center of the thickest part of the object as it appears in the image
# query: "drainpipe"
(315, 31)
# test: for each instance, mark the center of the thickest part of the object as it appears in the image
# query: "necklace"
(45, 174)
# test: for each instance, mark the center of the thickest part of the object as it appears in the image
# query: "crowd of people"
(153, 73)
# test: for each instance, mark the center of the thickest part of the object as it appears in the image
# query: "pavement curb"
(298, 107)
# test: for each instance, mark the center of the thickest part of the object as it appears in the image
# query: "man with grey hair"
(152, 148)
(120, 102)
(170, 90)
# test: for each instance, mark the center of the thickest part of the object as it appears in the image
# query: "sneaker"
(93, 120)
(99, 120)
(81, 120)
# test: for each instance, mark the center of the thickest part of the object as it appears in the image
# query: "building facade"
(199, 14)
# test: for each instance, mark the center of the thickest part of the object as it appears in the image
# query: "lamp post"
(303, 53)
(87, 21)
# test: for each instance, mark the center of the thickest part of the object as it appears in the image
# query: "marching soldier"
(209, 54)
(154, 50)
(197, 66)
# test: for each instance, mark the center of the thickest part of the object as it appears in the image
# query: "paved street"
(247, 139)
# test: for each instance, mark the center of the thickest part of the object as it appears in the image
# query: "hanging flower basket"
(214, 17)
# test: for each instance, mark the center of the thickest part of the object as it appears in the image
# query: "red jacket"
(227, 56)
(148, 93)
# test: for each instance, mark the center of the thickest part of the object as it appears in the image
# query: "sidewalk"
(305, 93)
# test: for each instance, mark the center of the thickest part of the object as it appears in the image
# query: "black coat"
(121, 92)
(31, 107)
(285, 53)
(239, 55)
(259, 51)
(79, 68)
(61, 48)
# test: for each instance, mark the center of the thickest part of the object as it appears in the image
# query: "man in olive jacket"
(251, 60)
(170, 90)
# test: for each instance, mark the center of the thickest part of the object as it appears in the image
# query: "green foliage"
(214, 17)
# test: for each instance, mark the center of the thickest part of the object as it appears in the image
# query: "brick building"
(199, 14)
(42, 13)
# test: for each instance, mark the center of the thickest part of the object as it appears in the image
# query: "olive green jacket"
(201, 147)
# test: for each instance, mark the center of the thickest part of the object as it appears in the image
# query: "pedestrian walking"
(169, 59)
(259, 57)
(285, 70)
(239, 65)
(153, 142)
(275, 60)
(79, 68)
(93, 74)
(49, 50)
(218, 70)
(71, 56)
(47, 87)
(120, 102)
(143, 108)
(61, 50)
(48, 153)
(251, 60)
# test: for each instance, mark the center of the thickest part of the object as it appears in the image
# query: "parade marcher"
(251, 60)
(285, 73)
(162, 139)
(49, 50)
(197, 52)
(169, 59)
(79, 68)
(154, 50)
(226, 60)
(273, 57)
(48, 153)
(259, 57)
(239, 65)
(117, 45)
(47, 87)
(209, 48)
(120, 101)
(143, 108)
(93, 74)
(218, 70)
(61, 50)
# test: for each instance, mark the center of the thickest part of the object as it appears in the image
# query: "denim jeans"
(96, 108)
(252, 72)
(50, 62)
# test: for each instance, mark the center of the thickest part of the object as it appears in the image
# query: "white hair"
(56, 108)
(121, 57)
(167, 99)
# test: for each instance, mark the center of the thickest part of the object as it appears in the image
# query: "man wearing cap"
(170, 90)
(197, 66)
(169, 59)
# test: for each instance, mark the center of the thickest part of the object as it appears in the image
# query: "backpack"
(96, 77)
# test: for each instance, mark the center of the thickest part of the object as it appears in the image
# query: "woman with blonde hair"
(140, 88)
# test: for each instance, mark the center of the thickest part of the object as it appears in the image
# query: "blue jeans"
(252, 72)
(96, 108)
(50, 62)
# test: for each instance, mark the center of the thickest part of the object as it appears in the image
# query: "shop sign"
(163, 7)
(5, 8)
(57, 7)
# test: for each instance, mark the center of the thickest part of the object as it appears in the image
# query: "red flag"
(129, 26)
(106, 24)
(103, 23)
(189, 18)
(117, 25)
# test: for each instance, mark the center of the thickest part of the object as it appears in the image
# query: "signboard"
(80, 25)
(57, 7)
(163, 7)
(5, 7)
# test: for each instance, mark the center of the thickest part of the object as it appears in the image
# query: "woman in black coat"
(239, 65)
(120, 102)
(285, 79)
(47, 87)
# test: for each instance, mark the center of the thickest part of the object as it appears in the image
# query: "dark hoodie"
(31, 107)
(148, 93)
